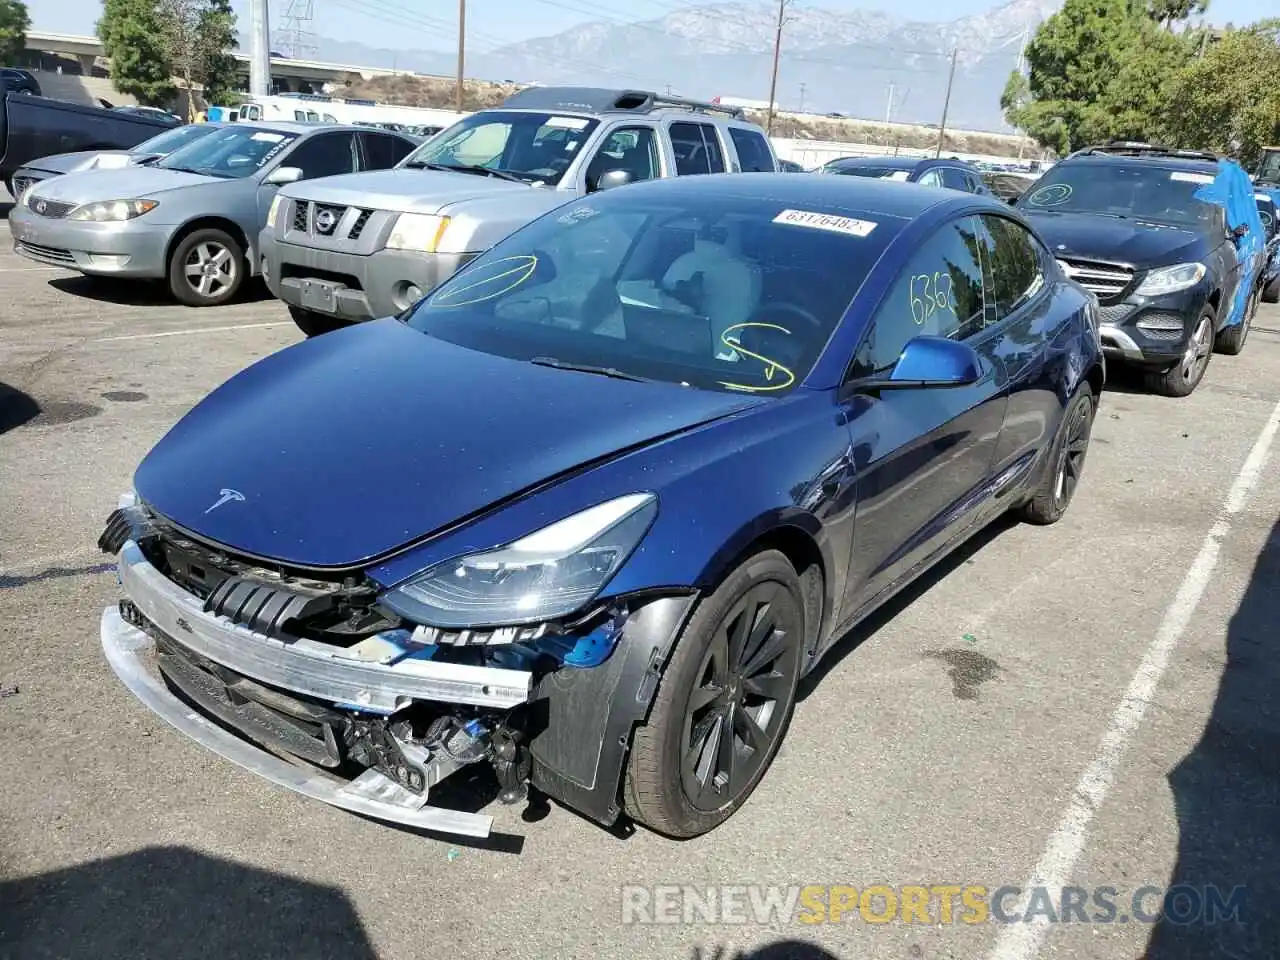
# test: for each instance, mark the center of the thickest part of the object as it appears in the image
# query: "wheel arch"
(212, 222)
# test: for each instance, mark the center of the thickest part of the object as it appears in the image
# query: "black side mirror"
(1240, 232)
(613, 178)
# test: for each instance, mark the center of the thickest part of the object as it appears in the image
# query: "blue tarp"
(1234, 191)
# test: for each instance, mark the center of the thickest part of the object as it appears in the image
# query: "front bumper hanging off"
(304, 667)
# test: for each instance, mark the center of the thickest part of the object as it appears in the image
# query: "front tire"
(723, 704)
(314, 324)
(1058, 483)
(206, 268)
(1181, 379)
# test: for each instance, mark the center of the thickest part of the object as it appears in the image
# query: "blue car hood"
(345, 447)
(1144, 245)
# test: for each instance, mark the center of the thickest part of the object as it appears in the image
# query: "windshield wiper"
(613, 372)
(466, 168)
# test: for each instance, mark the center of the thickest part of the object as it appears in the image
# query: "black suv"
(1124, 222)
(951, 173)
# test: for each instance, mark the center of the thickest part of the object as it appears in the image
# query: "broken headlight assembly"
(547, 575)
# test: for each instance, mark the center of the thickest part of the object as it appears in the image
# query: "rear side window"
(323, 156)
(954, 178)
(931, 178)
(697, 149)
(382, 152)
(753, 151)
(1014, 267)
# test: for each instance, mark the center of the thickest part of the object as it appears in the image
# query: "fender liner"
(585, 717)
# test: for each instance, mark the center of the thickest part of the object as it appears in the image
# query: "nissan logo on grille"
(326, 220)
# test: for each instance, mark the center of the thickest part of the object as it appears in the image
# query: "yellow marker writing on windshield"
(771, 367)
(526, 264)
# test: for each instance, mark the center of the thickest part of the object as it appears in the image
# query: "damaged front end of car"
(322, 684)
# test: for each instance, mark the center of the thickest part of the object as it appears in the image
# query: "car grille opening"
(20, 185)
(357, 228)
(1107, 281)
(41, 252)
(300, 208)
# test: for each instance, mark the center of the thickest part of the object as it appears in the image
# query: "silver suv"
(353, 248)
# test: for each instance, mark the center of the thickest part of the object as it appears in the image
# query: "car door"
(1027, 327)
(319, 155)
(922, 457)
(631, 148)
(382, 151)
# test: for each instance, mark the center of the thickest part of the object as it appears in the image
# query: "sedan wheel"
(723, 703)
(206, 268)
(1181, 379)
(1058, 481)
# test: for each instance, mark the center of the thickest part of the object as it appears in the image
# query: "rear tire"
(734, 670)
(1271, 293)
(314, 324)
(1061, 479)
(206, 268)
(1181, 379)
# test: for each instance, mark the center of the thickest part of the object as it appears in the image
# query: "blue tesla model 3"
(579, 521)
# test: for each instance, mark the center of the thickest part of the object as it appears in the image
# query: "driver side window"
(633, 149)
(939, 293)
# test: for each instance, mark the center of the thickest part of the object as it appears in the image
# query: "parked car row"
(600, 452)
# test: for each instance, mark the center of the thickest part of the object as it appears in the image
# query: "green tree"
(133, 41)
(1098, 69)
(1169, 12)
(219, 70)
(197, 36)
(1228, 100)
(14, 24)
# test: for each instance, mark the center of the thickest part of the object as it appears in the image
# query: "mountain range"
(862, 64)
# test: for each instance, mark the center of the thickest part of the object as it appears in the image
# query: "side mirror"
(282, 175)
(613, 178)
(1239, 232)
(929, 363)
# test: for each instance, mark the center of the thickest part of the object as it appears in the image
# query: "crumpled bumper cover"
(126, 647)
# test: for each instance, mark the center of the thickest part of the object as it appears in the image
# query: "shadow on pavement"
(781, 950)
(1227, 795)
(144, 293)
(16, 408)
(910, 594)
(172, 903)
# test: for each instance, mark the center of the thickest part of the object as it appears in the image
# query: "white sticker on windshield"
(569, 123)
(899, 175)
(1191, 177)
(267, 137)
(825, 221)
(1265, 197)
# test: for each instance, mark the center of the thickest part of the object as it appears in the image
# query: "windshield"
(1139, 191)
(1269, 172)
(536, 147)
(722, 293)
(231, 153)
(172, 140)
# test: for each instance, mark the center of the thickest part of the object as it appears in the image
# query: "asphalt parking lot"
(1093, 704)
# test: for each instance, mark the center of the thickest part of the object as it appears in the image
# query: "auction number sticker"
(568, 123)
(1184, 177)
(825, 221)
(266, 136)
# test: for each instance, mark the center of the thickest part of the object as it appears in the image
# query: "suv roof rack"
(600, 100)
(1137, 148)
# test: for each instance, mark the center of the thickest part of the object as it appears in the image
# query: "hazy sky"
(431, 24)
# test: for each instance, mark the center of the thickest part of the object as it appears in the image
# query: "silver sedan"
(193, 217)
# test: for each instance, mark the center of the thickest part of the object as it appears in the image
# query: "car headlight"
(112, 211)
(275, 209)
(417, 231)
(1164, 280)
(548, 574)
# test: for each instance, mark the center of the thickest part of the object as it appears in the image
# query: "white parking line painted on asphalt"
(183, 333)
(1022, 941)
(34, 270)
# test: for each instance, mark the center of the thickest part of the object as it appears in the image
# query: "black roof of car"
(898, 163)
(600, 101)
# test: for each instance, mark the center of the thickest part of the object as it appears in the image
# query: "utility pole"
(802, 98)
(888, 110)
(462, 49)
(946, 106)
(777, 53)
(259, 50)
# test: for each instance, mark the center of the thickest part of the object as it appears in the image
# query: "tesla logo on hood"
(226, 495)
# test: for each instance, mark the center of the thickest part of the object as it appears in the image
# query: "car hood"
(80, 160)
(126, 183)
(342, 448)
(402, 189)
(1135, 242)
